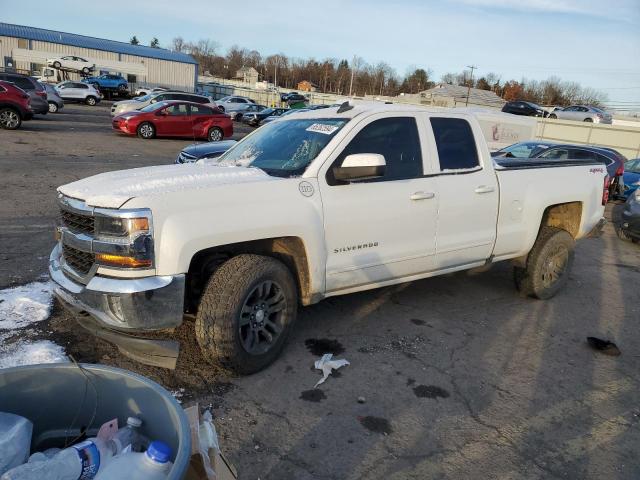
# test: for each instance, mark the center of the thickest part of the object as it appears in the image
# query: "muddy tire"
(548, 264)
(246, 313)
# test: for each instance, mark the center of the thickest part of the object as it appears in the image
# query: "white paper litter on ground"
(30, 353)
(21, 307)
(327, 365)
(24, 305)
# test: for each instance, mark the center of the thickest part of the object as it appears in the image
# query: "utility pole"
(353, 69)
(472, 67)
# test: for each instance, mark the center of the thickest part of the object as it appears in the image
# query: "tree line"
(356, 76)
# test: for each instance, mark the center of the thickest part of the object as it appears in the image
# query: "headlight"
(120, 227)
(124, 241)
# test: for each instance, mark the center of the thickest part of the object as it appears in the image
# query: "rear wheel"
(553, 116)
(548, 264)
(85, 70)
(146, 130)
(215, 134)
(56, 65)
(246, 313)
(10, 119)
(53, 107)
(91, 100)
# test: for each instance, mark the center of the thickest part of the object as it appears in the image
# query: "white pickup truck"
(321, 203)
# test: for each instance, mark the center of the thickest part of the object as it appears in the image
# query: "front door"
(468, 194)
(177, 122)
(381, 229)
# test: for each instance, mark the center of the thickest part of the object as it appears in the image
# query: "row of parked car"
(580, 113)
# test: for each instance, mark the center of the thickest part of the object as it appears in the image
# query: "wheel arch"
(289, 250)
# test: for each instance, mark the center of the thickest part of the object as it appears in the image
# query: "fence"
(625, 139)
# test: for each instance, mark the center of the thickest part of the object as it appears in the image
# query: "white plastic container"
(153, 464)
(15, 440)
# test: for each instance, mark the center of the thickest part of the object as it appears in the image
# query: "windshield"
(632, 166)
(154, 106)
(284, 149)
(144, 98)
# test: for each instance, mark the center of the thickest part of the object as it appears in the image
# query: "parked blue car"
(109, 82)
(631, 177)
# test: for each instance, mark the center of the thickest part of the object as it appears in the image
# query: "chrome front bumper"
(122, 307)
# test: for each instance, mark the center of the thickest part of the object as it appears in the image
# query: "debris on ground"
(361, 400)
(326, 364)
(604, 346)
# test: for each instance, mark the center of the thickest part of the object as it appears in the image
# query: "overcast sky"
(594, 42)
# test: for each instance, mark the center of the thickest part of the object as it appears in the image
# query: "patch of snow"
(178, 394)
(21, 307)
(30, 353)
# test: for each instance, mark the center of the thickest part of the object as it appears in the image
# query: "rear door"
(200, 119)
(468, 190)
(381, 229)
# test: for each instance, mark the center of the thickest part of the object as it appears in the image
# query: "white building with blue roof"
(26, 49)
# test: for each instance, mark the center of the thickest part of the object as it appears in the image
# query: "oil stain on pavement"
(430, 391)
(376, 424)
(320, 346)
(313, 395)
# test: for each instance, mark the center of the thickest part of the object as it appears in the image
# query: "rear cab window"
(455, 143)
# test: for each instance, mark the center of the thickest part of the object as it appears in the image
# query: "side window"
(582, 155)
(556, 154)
(198, 99)
(396, 139)
(200, 110)
(23, 83)
(82, 85)
(455, 143)
(602, 159)
(179, 110)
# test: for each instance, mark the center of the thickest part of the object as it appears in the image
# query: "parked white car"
(233, 102)
(79, 92)
(317, 204)
(71, 62)
(141, 91)
(582, 113)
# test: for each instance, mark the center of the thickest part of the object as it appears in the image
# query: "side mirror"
(360, 166)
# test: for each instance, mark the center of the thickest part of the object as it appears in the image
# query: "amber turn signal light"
(108, 259)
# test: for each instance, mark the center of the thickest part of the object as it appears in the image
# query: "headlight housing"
(124, 238)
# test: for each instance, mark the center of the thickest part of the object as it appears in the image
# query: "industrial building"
(26, 49)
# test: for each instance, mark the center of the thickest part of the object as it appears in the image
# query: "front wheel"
(10, 119)
(246, 313)
(53, 107)
(548, 264)
(122, 87)
(91, 101)
(553, 116)
(85, 70)
(588, 120)
(146, 130)
(215, 134)
(56, 65)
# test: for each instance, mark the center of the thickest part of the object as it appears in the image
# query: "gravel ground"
(451, 377)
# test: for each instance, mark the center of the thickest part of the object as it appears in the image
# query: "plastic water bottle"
(153, 464)
(82, 461)
(129, 435)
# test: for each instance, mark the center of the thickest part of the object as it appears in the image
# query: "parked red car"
(14, 106)
(176, 119)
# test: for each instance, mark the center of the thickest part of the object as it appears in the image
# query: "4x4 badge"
(306, 189)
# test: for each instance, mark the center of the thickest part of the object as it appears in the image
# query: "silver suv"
(124, 106)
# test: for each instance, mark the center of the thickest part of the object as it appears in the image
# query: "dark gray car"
(35, 90)
(55, 101)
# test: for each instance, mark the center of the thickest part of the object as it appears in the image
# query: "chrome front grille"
(76, 222)
(80, 261)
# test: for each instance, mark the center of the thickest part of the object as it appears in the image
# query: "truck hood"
(114, 189)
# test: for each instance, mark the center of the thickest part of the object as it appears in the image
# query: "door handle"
(484, 189)
(422, 195)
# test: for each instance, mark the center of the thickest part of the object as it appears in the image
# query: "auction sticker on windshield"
(322, 128)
